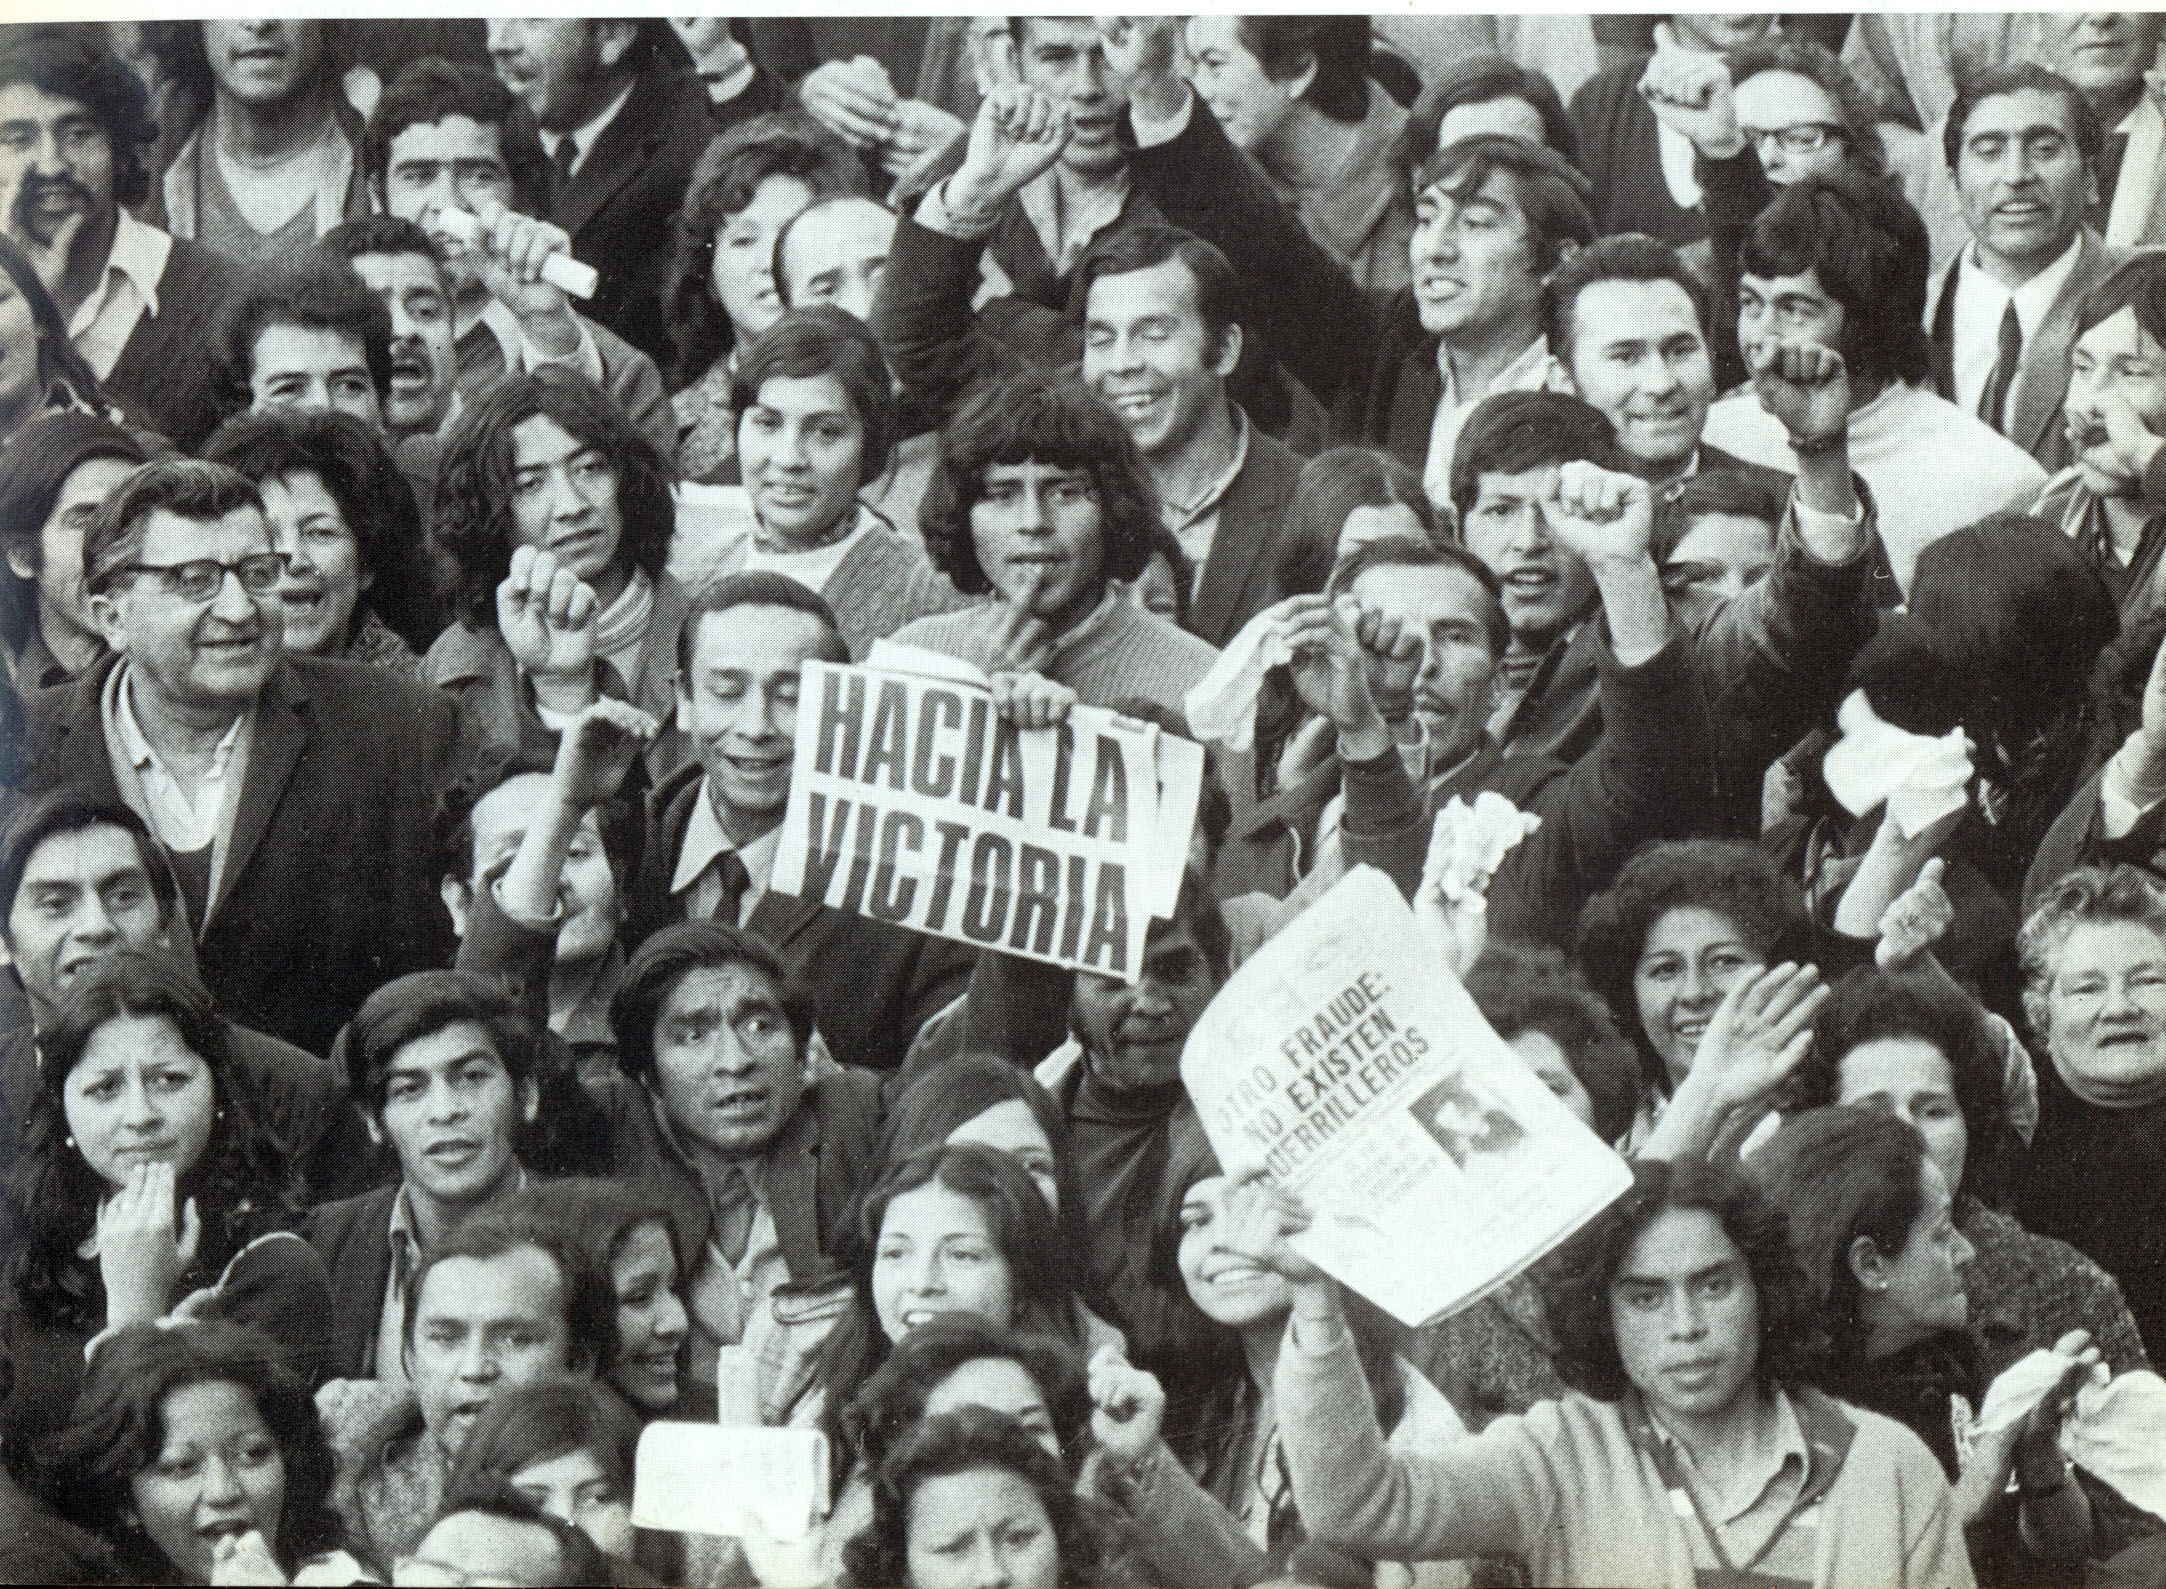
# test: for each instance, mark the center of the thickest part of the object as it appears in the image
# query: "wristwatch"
(1814, 446)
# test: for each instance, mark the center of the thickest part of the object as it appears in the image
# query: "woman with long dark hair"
(39, 367)
(143, 1176)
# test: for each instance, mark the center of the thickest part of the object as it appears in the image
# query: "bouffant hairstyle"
(2087, 896)
(472, 518)
(1476, 80)
(1869, 1005)
(1866, 246)
(1533, 988)
(58, 61)
(118, 1429)
(1837, 1174)
(1735, 880)
(673, 954)
(1576, 1284)
(783, 143)
(823, 340)
(963, 1441)
(893, 1399)
(1035, 417)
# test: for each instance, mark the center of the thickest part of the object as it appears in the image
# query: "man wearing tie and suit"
(622, 128)
(713, 825)
(2022, 146)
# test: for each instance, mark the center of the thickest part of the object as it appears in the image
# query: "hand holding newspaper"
(1349, 1063)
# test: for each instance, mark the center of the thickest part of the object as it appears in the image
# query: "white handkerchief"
(1221, 707)
(1468, 844)
(1918, 778)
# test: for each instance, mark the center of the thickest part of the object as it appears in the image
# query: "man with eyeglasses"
(275, 782)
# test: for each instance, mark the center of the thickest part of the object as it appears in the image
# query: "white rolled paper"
(568, 275)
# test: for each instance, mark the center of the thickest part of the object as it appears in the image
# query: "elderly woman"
(356, 583)
(54, 474)
(2094, 986)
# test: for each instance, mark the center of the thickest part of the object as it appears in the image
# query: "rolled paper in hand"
(561, 271)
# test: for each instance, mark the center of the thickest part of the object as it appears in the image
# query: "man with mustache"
(273, 781)
(447, 136)
(75, 136)
(2023, 148)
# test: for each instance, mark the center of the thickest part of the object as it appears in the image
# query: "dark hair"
(1514, 432)
(472, 517)
(1735, 880)
(1865, 245)
(1871, 1005)
(784, 143)
(1338, 46)
(378, 234)
(540, 1422)
(619, 819)
(1860, 118)
(117, 1430)
(1123, 250)
(960, 1442)
(1036, 417)
(2138, 283)
(1395, 551)
(824, 340)
(1522, 987)
(1731, 492)
(30, 821)
(673, 954)
(433, 89)
(590, 1304)
(1553, 194)
(315, 293)
(421, 1004)
(955, 1092)
(34, 470)
(1022, 1230)
(1331, 486)
(242, 1183)
(187, 488)
(1576, 1284)
(61, 62)
(2016, 77)
(2087, 896)
(64, 374)
(580, 1559)
(1837, 1174)
(756, 587)
(600, 1217)
(372, 495)
(1629, 256)
(1476, 80)
(892, 1399)
(1196, 908)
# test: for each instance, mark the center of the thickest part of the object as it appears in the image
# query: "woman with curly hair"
(1689, 1337)
(194, 1447)
(545, 462)
(969, 1492)
(1040, 502)
(719, 292)
(143, 1176)
(357, 580)
(1870, 1220)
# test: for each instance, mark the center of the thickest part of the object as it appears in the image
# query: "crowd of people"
(430, 453)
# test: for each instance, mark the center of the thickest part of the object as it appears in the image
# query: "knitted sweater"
(1118, 651)
(1566, 1489)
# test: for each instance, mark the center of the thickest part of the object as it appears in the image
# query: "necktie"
(2108, 177)
(733, 1210)
(1993, 404)
(736, 881)
(565, 156)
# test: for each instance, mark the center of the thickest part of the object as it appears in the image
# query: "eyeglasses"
(201, 579)
(1804, 137)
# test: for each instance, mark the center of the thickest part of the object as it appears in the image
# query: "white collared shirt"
(1980, 301)
(102, 324)
(704, 844)
(584, 135)
(179, 823)
(1535, 370)
(1195, 523)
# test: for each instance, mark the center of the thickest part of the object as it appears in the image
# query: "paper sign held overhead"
(701, 1478)
(1345, 1058)
(912, 802)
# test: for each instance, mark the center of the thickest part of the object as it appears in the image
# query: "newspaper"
(1346, 1059)
(912, 802)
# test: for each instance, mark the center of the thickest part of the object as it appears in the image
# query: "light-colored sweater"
(1118, 651)
(1932, 468)
(1565, 1488)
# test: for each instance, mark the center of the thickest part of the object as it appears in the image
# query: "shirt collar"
(2035, 296)
(1784, 1444)
(1533, 371)
(584, 135)
(755, 1168)
(405, 1231)
(141, 752)
(1185, 513)
(139, 253)
(704, 841)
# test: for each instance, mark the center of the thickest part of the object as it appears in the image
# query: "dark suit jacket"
(1620, 150)
(163, 372)
(619, 205)
(873, 984)
(2034, 417)
(330, 886)
(353, 1237)
(1236, 583)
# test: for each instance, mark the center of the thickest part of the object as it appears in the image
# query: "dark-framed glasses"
(1803, 137)
(201, 579)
